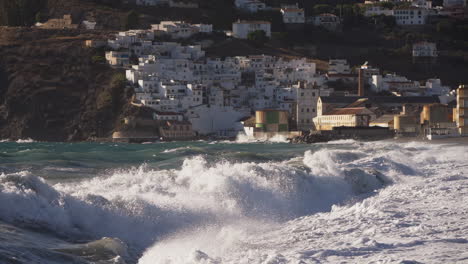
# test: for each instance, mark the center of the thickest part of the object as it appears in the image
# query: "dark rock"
(49, 87)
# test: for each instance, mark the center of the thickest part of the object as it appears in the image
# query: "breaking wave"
(143, 206)
(243, 138)
(27, 140)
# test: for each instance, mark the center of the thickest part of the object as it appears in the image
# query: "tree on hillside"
(444, 26)
(387, 5)
(132, 20)
(352, 15)
(384, 22)
(320, 9)
(40, 17)
(19, 12)
(258, 37)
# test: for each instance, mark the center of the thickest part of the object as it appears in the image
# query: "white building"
(168, 116)
(218, 120)
(393, 83)
(424, 49)
(435, 87)
(377, 11)
(241, 29)
(307, 96)
(454, 3)
(251, 6)
(127, 38)
(407, 16)
(338, 66)
(328, 21)
(293, 14)
(118, 58)
(422, 4)
(89, 25)
(179, 29)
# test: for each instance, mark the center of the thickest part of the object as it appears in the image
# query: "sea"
(238, 201)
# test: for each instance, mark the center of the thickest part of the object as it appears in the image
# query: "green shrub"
(322, 8)
(104, 100)
(98, 59)
(258, 36)
(132, 20)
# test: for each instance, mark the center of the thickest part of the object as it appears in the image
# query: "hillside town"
(262, 96)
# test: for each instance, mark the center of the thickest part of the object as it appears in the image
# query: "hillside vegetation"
(50, 89)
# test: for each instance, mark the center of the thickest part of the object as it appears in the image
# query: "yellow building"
(436, 115)
(406, 124)
(271, 121)
(118, 58)
(462, 110)
(347, 117)
(59, 23)
(383, 121)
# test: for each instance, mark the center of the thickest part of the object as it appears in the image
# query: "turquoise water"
(110, 203)
(75, 161)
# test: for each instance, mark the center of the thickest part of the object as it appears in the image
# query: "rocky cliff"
(52, 89)
(28, 12)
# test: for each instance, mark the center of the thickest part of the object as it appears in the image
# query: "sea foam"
(202, 210)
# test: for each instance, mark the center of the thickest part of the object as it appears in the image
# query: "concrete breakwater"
(362, 133)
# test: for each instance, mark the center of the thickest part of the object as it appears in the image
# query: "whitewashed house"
(241, 29)
(89, 25)
(338, 66)
(307, 96)
(435, 87)
(393, 83)
(158, 115)
(454, 3)
(180, 30)
(251, 6)
(328, 21)
(408, 16)
(218, 120)
(118, 58)
(376, 10)
(425, 49)
(127, 38)
(293, 14)
(422, 4)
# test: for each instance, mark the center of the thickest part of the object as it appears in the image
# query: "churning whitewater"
(244, 202)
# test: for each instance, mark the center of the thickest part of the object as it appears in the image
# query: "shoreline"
(462, 140)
